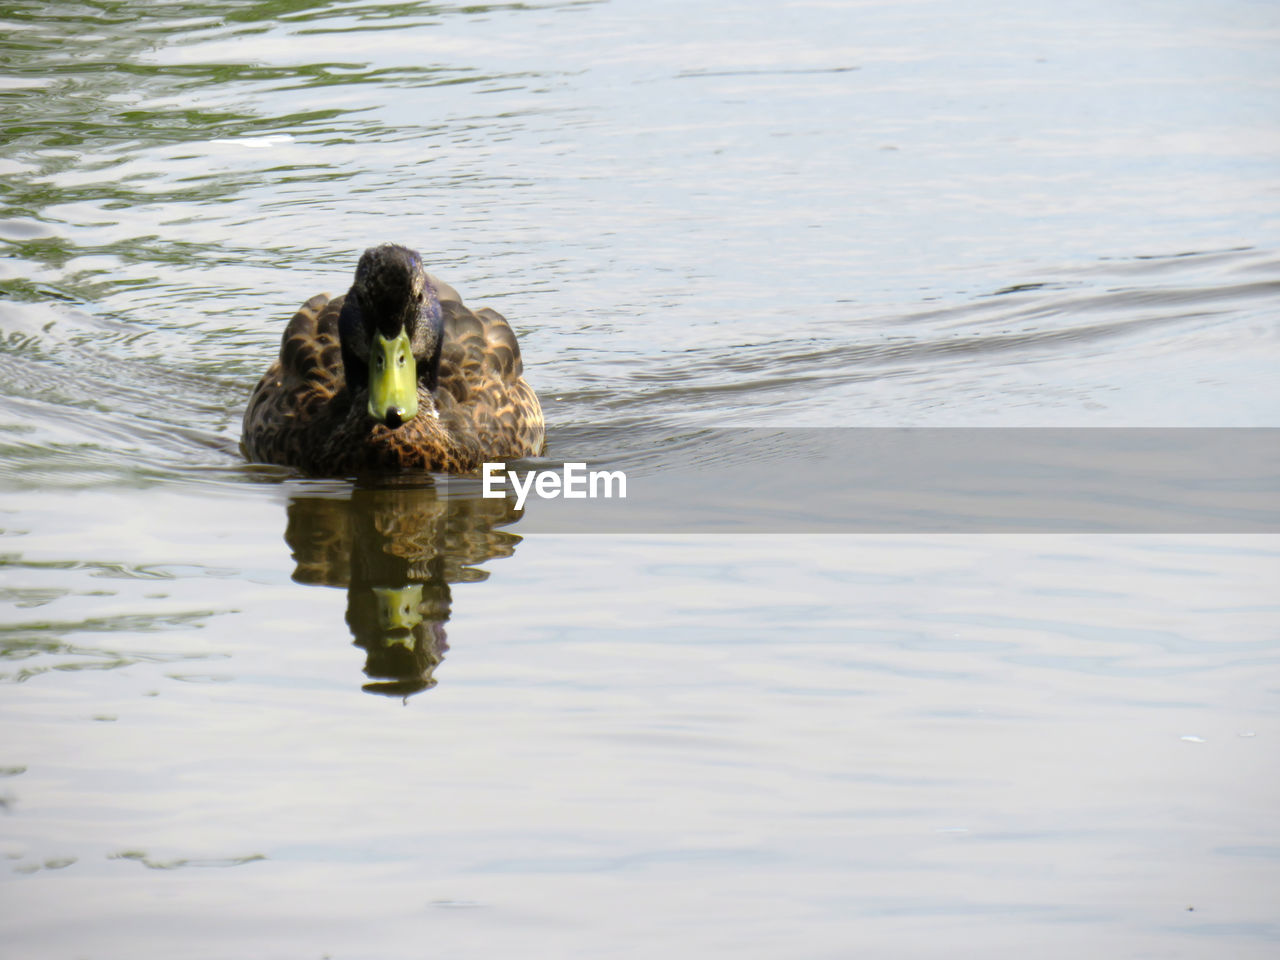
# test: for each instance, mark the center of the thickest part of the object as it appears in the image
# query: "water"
(219, 737)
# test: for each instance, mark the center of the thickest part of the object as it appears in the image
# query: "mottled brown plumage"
(311, 408)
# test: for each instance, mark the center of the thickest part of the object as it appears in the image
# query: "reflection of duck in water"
(396, 374)
(396, 550)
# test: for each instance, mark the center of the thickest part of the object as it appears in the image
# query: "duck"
(395, 375)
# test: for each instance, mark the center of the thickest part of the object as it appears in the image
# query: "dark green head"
(391, 329)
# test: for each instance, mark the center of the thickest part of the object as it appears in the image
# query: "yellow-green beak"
(393, 380)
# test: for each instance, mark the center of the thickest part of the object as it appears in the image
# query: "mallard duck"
(397, 374)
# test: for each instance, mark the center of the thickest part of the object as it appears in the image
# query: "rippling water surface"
(248, 714)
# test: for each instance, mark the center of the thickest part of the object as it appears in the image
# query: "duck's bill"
(393, 380)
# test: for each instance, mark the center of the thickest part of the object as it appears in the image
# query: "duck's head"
(391, 331)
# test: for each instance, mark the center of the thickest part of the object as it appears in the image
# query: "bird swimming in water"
(395, 375)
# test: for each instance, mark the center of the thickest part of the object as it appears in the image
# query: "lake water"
(246, 714)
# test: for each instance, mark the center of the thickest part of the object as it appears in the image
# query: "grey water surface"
(249, 714)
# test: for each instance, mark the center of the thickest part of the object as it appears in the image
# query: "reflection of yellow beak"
(393, 380)
(398, 607)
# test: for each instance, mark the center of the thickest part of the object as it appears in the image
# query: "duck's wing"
(297, 386)
(481, 370)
